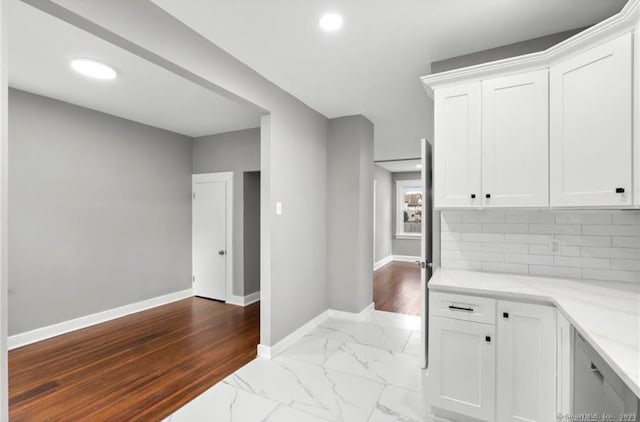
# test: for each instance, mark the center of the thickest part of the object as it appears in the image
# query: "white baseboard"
(22, 339)
(244, 300)
(273, 351)
(352, 316)
(405, 258)
(384, 261)
(252, 298)
(269, 352)
(391, 258)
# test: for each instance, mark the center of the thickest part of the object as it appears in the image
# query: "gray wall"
(99, 212)
(408, 247)
(293, 149)
(229, 151)
(251, 232)
(511, 50)
(238, 152)
(350, 213)
(383, 222)
(4, 70)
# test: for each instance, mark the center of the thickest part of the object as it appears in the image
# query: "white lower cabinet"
(500, 370)
(526, 362)
(462, 356)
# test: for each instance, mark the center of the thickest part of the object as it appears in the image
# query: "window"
(408, 209)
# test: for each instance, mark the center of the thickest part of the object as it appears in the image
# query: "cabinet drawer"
(463, 307)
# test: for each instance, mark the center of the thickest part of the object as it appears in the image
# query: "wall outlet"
(554, 247)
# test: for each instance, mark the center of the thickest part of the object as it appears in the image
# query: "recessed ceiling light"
(330, 22)
(93, 69)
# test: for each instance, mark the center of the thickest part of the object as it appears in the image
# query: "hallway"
(396, 288)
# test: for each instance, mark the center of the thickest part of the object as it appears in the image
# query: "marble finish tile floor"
(343, 371)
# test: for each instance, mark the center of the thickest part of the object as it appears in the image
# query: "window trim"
(400, 185)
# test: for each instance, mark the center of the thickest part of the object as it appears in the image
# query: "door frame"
(227, 178)
(426, 262)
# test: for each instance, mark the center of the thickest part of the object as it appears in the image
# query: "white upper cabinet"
(591, 127)
(457, 153)
(515, 139)
(590, 119)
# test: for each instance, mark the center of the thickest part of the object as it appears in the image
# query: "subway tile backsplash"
(594, 245)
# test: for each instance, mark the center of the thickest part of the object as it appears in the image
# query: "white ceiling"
(40, 47)
(400, 166)
(372, 65)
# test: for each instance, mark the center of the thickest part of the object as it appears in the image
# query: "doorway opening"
(99, 229)
(403, 236)
(398, 219)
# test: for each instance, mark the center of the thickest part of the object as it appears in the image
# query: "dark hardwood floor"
(141, 367)
(396, 288)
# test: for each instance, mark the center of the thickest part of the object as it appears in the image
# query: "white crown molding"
(23, 339)
(626, 20)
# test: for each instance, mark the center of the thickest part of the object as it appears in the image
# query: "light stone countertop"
(606, 314)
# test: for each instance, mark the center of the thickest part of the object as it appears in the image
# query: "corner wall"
(350, 213)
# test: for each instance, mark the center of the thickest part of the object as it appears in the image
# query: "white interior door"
(209, 236)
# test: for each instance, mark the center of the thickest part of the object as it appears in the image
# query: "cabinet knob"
(487, 339)
(473, 196)
(505, 315)
(619, 190)
(488, 196)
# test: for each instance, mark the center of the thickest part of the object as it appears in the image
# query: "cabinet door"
(591, 127)
(526, 385)
(462, 367)
(515, 140)
(457, 178)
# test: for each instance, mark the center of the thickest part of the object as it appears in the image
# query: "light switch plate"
(278, 208)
